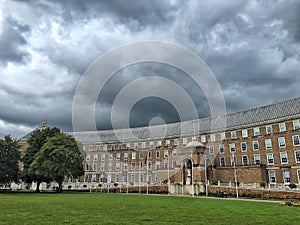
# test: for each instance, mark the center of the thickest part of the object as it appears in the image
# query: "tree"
(9, 160)
(60, 157)
(36, 141)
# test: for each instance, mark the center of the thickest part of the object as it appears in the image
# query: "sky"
(252, 48)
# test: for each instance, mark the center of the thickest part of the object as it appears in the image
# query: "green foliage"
(84, 208)
(59, 157)
(38, 138)
(9, 160)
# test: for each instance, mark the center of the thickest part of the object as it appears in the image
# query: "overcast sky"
(252, 47)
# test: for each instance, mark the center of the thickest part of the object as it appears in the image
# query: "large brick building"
(263, 143)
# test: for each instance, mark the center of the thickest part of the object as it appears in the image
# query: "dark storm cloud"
(12, 41)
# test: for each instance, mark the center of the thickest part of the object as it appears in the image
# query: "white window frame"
(135, 146)
(141, 155)
(203, 138)
(255, 156)
(133, 155)
(211, 149)
(212, 137)
(244, 133)
(233, 135)
(221, 148)
(232, 148)
(286, 177)
(151, 144)
(256, 131)
(243, 144)
(95, 157)
(222, 136)
(143, 145)
(268, 144)
(176, 142)
(282, 127)
(296, 124)
(281, 142)
(157, 165)
(296, 140)
(297, 156)
(157, 154)
(298, 175)
(118, 156)
(174, 152)
(184, 141)
(159, 144)
(272, 179)
(125, 155)
(166, 153)
(281, 158)
(168, 143)
(270, 158)
(247, 161)
(255, 145)
(222, 161)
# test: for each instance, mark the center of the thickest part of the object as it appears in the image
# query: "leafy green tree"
(9, 160)
(36, 141)
(60, 157)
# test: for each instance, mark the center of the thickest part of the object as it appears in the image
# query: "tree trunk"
(37, 190)
(59, 189)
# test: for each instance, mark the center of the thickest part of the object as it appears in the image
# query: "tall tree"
(60, 157)
(36, 141)
(9, 160)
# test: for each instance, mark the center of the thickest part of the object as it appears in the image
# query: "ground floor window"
(256, 159)
(272, 176)
(141, 178)
(132, 178)
(245, 159)
(222, 161)
(298, 173)
(125, 178)
(286, 176)
(297, 156)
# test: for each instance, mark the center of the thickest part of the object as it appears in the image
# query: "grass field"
(138, 209)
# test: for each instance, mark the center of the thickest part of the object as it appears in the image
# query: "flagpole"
(235, 177)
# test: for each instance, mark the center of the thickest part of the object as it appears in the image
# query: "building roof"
(276, 112)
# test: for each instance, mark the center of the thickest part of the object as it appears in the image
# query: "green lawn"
(138, 209)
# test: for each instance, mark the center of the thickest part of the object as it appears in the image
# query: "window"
(112, 147)
(256, 131)
(133, 155)
(166, 153)
(173, 164)
(90, 148)
(269, 129)
(176, 142)
(296, 124)
(270, 159)
(104, 147)
(157, 154)
(87, 167)
(298, 173)
(141, 178)
(132, 178)
(109, 178)
(149, 178)
(86, 178)
(120, 147)
(101, 178)
(135, 146)
(143, 144)
(97, 148)
(149, 165)
(118, 165)
(141, 155)
(125, 178)
(282, 127)
(281, 142)
(102, 157)
(109, 166)
(256, 158)
(296, 141)
(221, 149)
(149, 154)
(245, 159)
(168, 143)
(286, 177)
(151, 144)
(157, 165)
(211, 150)
(96, 157)
(244, 133)
(283, 158)
(272, 176)
(232, 147)
(222, 136)
(125, 155)
(255, 145)
(158, 144)
(184, 141)
(212, 137)
(141, 166)
(117, 178)
(110, 156)
(87, 158)
(174, 152)
(203, 138)
(233, 134)
(127, 146)
(194, 138)
(133, 166)
(118, 156)
(222, 161)
(243, 146)
(102, 166)
(165, 164)
(268, 143)
(297, 156)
